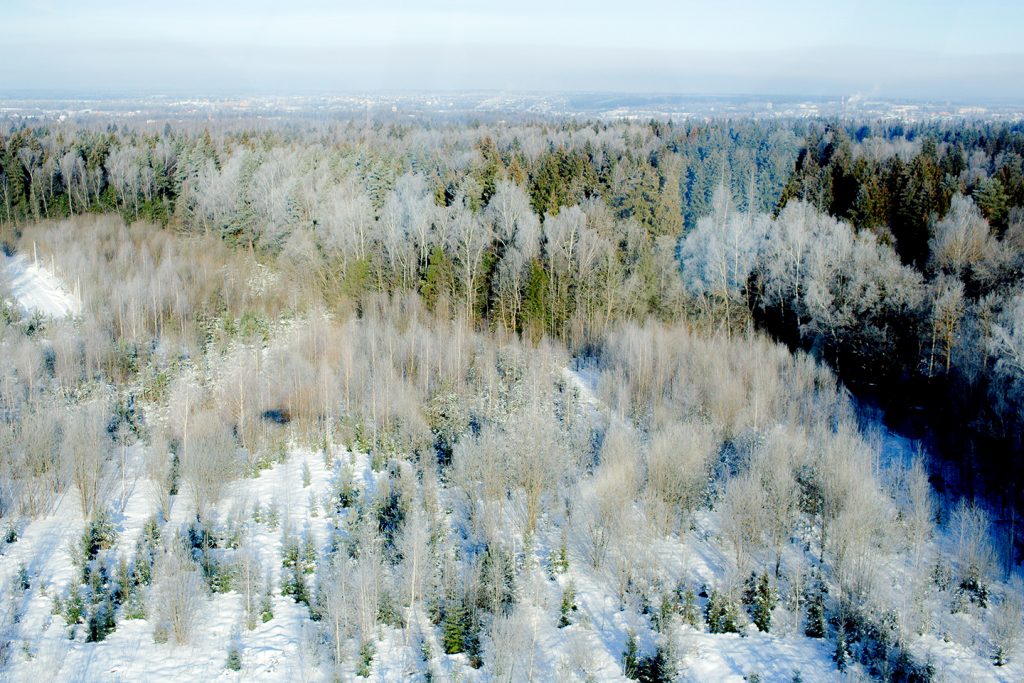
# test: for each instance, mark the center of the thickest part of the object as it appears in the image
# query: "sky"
(928, 49)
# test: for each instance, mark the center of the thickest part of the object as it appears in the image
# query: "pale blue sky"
(915, 48)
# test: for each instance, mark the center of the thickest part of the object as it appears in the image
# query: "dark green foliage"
(146, 548)
(388, 612)
(365, 667)
(841, 655)
(307, 556)
(630, 658)
(942, 575)
(234, 661)
(72, 607)
(568, 609)
(134, 604)
(974, 589)
(815, 626)
(93, 603)
(721, 614)
(562, 178)
(345, 493)
(657, 667)
(993, 201)
(101, 621)
(688, 609)
(661, 616)
(558, 560)
(900, 195)
(763, 604)
(100, 589)
(439, 278)
(267, 600)
(535, 307)
(454, 627)
(473, 646)
(497, 580)
(390, 510)
(298, 559)
(99, 534)
(208, 545)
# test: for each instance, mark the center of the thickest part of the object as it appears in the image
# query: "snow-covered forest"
(512, 401)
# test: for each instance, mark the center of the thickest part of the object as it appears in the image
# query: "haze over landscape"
(935, 50)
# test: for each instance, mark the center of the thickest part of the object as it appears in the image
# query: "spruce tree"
(657, 668)
(841, 656)
(764, 603)
(815, 626)
(234, 662)
(365, 667)
(267, 601)
(454, 625)
(568, 607)
(721, 614)
(689, 609)
(630, 659)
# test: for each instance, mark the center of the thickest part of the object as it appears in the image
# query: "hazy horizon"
(917, 50)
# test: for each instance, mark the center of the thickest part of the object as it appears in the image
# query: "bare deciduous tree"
(178, 590)
(209, 460)
(1006, 622)
(87, 451)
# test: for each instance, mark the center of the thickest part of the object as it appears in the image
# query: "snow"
(37, 290)
(282, 649)
(731, 657)
(273, 651)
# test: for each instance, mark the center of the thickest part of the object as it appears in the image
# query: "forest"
(561, 400)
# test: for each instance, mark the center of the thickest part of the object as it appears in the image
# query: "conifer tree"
(841, 656)
(764, 603)
(815, 626)
(630, 657)
(721, 614)
(568, 607)
(454, 627)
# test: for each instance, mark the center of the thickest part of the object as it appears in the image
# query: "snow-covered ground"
(276, 650)
(36, 289)
(283, 648)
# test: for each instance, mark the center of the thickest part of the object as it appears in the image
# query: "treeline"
(534, 229)
(898, 259)
(895, 181)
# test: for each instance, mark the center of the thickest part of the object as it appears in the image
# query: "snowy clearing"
(37, 290)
